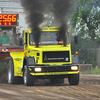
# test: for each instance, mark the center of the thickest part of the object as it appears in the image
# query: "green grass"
(94, 71)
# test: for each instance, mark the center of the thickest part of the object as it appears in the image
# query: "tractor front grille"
(56, 56)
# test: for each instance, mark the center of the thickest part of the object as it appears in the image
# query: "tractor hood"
(51, 55)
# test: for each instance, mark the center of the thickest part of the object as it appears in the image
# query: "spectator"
(5, 38)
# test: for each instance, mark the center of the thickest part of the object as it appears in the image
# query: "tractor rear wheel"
(11, 78)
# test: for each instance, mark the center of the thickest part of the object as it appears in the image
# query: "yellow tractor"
(50, 60)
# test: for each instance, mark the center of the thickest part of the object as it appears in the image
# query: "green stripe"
(55, 73)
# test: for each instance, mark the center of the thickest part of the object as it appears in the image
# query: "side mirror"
(76, 39)
(20, 42)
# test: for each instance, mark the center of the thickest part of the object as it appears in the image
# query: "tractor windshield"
(49, 38)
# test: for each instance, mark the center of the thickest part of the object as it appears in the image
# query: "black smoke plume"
(35, 9)
(34, 16)
(62, 8)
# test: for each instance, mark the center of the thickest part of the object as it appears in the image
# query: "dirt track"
(88, 89)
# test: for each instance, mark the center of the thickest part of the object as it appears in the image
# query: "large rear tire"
(73, 79)
(11, 78)
(28, 79)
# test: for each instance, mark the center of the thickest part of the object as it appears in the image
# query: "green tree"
(86, 18)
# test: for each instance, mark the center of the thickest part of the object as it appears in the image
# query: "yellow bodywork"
(18, 62)
(31, 51)
(55, 73)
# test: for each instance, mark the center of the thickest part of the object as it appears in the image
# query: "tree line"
(85, 22)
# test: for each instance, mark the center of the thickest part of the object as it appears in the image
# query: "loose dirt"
(88, 89)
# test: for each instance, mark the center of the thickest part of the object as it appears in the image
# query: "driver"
(57, 35)
(5, 38)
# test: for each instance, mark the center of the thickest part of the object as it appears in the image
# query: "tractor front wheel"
(28, 79)
(73, 79)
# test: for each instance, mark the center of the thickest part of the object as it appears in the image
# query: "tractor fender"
(29, 61)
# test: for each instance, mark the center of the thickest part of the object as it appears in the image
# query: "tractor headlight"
(38, 69)
(74, 67)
